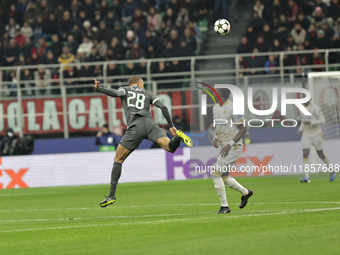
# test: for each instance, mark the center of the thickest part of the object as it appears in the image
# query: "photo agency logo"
(238, 104)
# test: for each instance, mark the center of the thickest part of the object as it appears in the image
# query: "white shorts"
(224, 164)
(308, 141)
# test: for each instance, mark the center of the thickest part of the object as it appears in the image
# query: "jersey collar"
(225, 102)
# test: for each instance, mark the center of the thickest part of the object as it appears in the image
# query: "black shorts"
(139, 129)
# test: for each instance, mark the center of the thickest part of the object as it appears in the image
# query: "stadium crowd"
(62, 31)
(290, 25)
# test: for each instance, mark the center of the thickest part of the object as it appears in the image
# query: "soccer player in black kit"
(136, 104)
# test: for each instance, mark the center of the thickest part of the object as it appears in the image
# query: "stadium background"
(51, 51)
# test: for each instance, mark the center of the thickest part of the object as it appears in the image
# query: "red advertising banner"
(84, 113)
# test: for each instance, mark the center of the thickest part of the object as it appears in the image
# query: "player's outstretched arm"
(109, 92)
(166, 114)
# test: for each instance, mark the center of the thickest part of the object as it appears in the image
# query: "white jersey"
(226, 122)
(316, 119)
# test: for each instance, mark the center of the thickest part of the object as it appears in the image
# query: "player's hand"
(215, 142)
(96, 84)
(173, 131)
(307, 122)
(225, 150)
(99, 134)
(298, 133)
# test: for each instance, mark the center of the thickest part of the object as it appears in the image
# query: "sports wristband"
(231, 143)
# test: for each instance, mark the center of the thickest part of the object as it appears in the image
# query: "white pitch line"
(161, 221)
(137, 206)
(121, 216)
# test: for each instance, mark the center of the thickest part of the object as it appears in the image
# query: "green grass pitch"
(175, 217)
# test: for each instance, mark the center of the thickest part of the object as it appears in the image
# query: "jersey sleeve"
(238, 119)
(153, 98)
(123, 90)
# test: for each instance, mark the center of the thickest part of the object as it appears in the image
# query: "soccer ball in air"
(222, 26)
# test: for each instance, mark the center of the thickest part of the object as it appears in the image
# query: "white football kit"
(226, 131)
(312, 134)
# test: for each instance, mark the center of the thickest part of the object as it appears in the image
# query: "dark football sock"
(115, 175)
(174, 143)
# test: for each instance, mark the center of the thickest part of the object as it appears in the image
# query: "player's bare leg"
(326, 160)
(305, 166)
(121, 154)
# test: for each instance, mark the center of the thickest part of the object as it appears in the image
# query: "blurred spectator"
(298, 34)
(38, 29)
(255, 62)
(41, 47)
(135, 52)
(110, 19)
(86, 46)
(141, 67)
(256, 22)
(154, 19)
(118, 31)
(169, 18)
(301, 18)
(72, 44)
(130, 69)
(101, 48)
(271, 62)
(322, 5)
(34, 59)
(261, 44)
(26, 30)
(318, 60)
(12, 27)
(322, 42)
(42, 79)
(56, 46)
(27, 49)
(21, 60)
(20, 39)
(106, 138)
(94, 56)
(293, 10)
(312, 33)
(31, 13)
(11, 53)
(66, 57)
(104, 32)
(251, 34)
(318, 16)
(112, 70)
(69, 74)
(128, 10)
(89, 8)
(27, 82)
(139, 17)
(334, 10)
(174, 38)
(267, 34)
(189, 39)
(117, 48)
(50, 27)
(277, 46)
(129, 40)
(259, 7)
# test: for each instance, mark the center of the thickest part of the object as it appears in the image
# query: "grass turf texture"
(175, 217)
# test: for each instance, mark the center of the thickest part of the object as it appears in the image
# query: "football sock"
(220, 188)
(174, 143)
(326, 160)
(232, 183)
(306, 167)
(115, 175)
